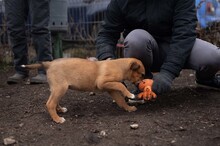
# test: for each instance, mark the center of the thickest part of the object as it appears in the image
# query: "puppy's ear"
(134, 66)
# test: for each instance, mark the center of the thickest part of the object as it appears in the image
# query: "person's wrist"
(167, 74)
(162, 82)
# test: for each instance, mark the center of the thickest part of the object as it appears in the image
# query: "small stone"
(103, 133)
(173, 141)
(134, 126)
(182, 128)
(21, 125)
(8, 96)
(9, 140)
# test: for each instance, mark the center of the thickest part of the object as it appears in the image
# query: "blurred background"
(75, 23)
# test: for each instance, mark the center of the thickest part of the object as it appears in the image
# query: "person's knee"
(137, 39)
(204, 54)
(139, 44)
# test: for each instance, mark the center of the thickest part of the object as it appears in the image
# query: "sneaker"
(16, 78)
(213, 83)
(39, 79)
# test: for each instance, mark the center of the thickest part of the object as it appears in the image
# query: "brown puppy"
(85, 75)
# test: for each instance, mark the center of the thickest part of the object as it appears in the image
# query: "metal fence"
(3, 29)
(84, 20)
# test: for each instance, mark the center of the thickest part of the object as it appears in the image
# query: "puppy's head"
(137, 71)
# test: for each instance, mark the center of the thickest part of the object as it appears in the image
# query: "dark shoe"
(213, 83)
(16, 78)
(136, 100)
(39, 79)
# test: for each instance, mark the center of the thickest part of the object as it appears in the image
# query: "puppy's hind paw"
(61, 109)
(62, 120)
(131, 109)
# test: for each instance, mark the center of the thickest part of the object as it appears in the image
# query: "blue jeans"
(18, 13)
(204, 57)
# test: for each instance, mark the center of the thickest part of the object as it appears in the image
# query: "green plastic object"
(57, 46)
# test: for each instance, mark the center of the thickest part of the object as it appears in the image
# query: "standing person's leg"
(16, 13)
(141, 45)
(40, 14)
(205, 60)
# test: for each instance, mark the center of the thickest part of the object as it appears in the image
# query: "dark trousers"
(204, 57)
(17, 13)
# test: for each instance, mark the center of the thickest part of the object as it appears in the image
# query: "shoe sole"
(11, 81)
(37, 82)
(206, 87)
(130, 101)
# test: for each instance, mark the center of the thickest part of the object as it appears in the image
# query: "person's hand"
(109, 59)
(162, 82)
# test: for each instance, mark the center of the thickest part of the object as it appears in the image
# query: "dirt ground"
(187, 116)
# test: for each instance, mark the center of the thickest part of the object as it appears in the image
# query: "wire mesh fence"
(84, 21)
(84, 18)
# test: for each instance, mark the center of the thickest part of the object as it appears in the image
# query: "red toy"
(146, 86)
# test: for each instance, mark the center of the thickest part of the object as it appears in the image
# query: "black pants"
(17, 14)
(204, 57)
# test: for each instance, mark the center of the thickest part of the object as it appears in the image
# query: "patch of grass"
(4, 67)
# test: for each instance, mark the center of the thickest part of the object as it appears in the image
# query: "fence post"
(57, 45)
(58, 25)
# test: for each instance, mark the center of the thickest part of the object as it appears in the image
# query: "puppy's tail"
(44, 65)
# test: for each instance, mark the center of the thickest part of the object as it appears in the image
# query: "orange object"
(146, 86)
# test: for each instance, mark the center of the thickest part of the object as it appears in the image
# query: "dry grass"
(211, 34)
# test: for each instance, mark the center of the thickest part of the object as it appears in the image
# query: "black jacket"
(168, 21)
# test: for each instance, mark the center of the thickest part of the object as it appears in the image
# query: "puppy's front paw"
(131, 109)
(62, 120)
(132, 96)
(64, 110)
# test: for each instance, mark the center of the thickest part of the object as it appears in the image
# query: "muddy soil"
(187, 116)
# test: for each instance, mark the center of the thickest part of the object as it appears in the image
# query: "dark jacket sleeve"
(110, 32)
(183, 36)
